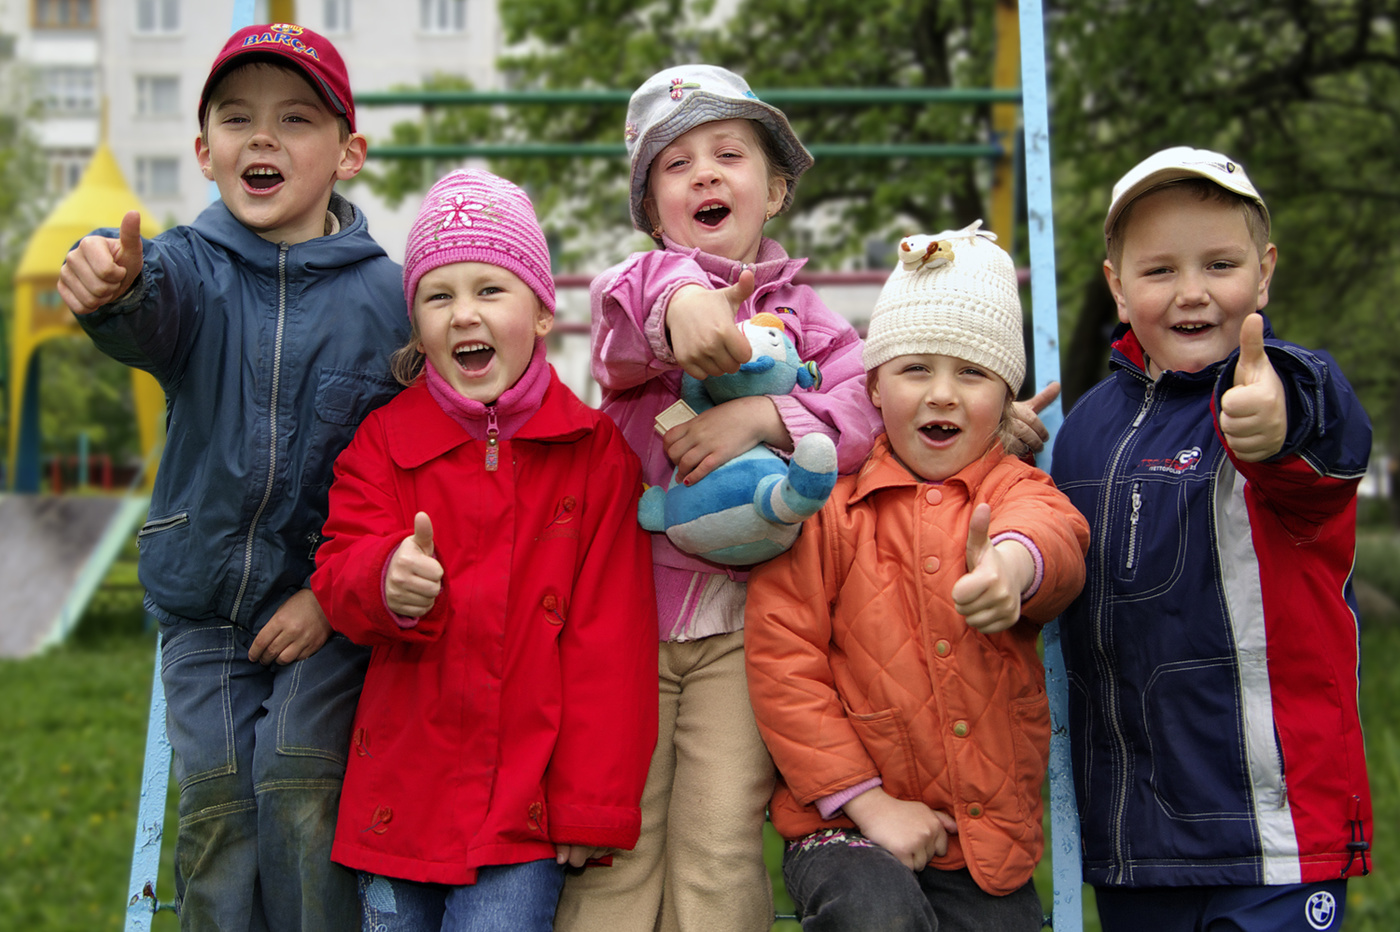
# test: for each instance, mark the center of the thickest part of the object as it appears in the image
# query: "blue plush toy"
(749, 509)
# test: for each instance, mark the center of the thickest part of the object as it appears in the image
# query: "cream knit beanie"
(954, 294)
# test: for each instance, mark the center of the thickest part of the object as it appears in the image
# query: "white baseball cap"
(1174, 164)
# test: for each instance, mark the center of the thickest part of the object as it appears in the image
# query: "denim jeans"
(842, 882)
(505, 898)
(259, 756)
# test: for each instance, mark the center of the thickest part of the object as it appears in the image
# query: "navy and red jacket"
(1213, 656)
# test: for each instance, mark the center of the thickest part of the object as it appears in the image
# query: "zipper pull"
(493, 448)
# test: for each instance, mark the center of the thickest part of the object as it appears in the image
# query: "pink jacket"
(633, 362)
(519, 712)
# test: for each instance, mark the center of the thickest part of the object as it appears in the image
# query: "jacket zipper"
(493, 449)
(162, 524)
(1121, 791)
(272, 430)
(1133, 523)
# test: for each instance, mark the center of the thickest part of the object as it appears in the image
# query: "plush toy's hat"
(954, 294)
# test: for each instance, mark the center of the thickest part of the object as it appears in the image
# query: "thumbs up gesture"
(99, 270)
(415, 577)
(1253, 413)
(989, 595)
(701, 328)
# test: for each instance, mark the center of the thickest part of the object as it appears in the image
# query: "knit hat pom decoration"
(953, 293)
(474, 216)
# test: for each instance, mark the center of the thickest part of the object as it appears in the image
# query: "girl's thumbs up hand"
(989, 594)
(414, 579)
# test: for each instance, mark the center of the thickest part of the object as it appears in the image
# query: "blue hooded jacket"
(270, 355)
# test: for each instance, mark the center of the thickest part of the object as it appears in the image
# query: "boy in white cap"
(1213, 656)
(269, 322)
(891, 652)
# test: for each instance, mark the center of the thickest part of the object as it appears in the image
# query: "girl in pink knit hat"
(483, 539)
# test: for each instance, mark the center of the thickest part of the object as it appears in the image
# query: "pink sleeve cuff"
(1026, 542)
(828, 806)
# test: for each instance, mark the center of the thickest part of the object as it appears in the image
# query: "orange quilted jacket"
(858, 664)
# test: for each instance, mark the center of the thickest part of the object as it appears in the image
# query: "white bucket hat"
(675, 100)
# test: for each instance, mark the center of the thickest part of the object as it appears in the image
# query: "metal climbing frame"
(1067, 910)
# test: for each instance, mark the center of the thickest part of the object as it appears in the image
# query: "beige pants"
(698, 866)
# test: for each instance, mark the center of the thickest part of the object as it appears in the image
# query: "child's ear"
(352, 159)
(654, 215)
(1267, 264)
(1115, 285)
(777, 193)
(201, 155)
(872, 386)
(544, 320)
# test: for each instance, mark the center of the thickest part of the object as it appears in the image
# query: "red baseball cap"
(310, 52)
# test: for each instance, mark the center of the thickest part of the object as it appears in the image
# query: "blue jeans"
(1299, 907)
(843, 882)
(505, 898)
(259, 756)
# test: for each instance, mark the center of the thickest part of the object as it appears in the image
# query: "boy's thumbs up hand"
(1253, 412)
(414, 578)
(989, 594)
(99, 270)
(703, 334)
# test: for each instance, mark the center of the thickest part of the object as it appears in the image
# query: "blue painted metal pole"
(150, 817)
(1068, 909)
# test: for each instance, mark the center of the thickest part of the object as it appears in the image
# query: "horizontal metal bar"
(813, 96)
(614, 150)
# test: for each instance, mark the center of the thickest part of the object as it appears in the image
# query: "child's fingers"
(977, 540)
(1042, 399)
(1253, 361)
(423, 532)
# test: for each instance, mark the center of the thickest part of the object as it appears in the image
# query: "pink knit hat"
(474, 216)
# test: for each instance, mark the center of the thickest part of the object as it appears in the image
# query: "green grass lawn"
(74, 736)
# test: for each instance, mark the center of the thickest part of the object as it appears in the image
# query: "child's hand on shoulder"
(717, 435)
(1253, 412)
(700, 325)
(99, 270)
(414, 579)
(294, 632)
(908, 829)
(1025, 421)
(989, 595)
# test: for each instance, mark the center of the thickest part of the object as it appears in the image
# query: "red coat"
(520, 712)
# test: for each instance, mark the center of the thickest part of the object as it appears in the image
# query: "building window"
(157, 95)
(157, 176)
(442, 16)
(155, 17)
(337, 16)
(68, 90)
(66, 167)
(64, 14)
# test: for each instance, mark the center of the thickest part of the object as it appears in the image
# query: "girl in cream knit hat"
(891, 652)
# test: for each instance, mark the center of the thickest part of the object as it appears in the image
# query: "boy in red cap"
(269, 322)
